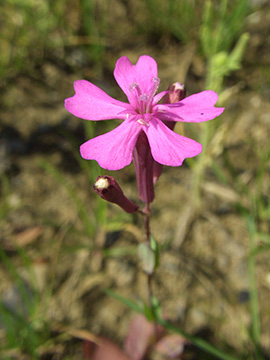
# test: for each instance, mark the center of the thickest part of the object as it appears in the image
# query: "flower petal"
(91, 103)
(142, 74)
(195, 108)
(168, 147)
(159, 96)
(113, 150)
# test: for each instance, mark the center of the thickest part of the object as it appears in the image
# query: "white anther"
(143, 122)
(102, 183)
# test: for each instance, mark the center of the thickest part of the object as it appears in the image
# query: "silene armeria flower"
(143, 114)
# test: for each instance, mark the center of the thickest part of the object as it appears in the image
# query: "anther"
(143, 122)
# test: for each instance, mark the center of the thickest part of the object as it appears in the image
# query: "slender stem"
(149, 289)
(147, 213)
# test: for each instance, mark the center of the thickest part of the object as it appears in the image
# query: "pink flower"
(143, 113)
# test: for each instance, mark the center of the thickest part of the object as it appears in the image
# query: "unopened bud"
(108, 189)
(176, 92)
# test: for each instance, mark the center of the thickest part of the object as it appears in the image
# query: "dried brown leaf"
(107, 350)
(171, 346)
(27, 236)
(139, 337)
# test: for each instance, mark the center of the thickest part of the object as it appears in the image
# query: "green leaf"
(156, 308)
(200, 343)
(154, 246)
(131, 304)
(148, 313)
(147, 258)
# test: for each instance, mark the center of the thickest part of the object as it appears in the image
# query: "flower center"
(145, 100)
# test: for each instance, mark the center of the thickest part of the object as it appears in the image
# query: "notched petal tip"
(123, 60)
(81, 85)
(91, 103)
(210, 96)
(194, 108)
(169, 148)
(142, 74)
(67, 102)
(146, 60)
(143, 60)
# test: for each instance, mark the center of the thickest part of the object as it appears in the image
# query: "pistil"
(145, 100)
(143, 103)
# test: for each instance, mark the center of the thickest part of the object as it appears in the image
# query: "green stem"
(147, 213)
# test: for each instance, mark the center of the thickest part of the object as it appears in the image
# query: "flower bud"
(108, 189)
(176, 92)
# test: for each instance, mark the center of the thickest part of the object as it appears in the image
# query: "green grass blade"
(91, 169)
(200, 343)
(22, 287)
(254, 304)
(52, 170)
(131, 304)
(119, 251)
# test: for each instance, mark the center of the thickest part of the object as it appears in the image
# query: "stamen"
(143, 122)
(145, 100)
(156, 82)
(135, 86)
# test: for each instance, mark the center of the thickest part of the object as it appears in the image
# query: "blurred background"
(60, 245)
